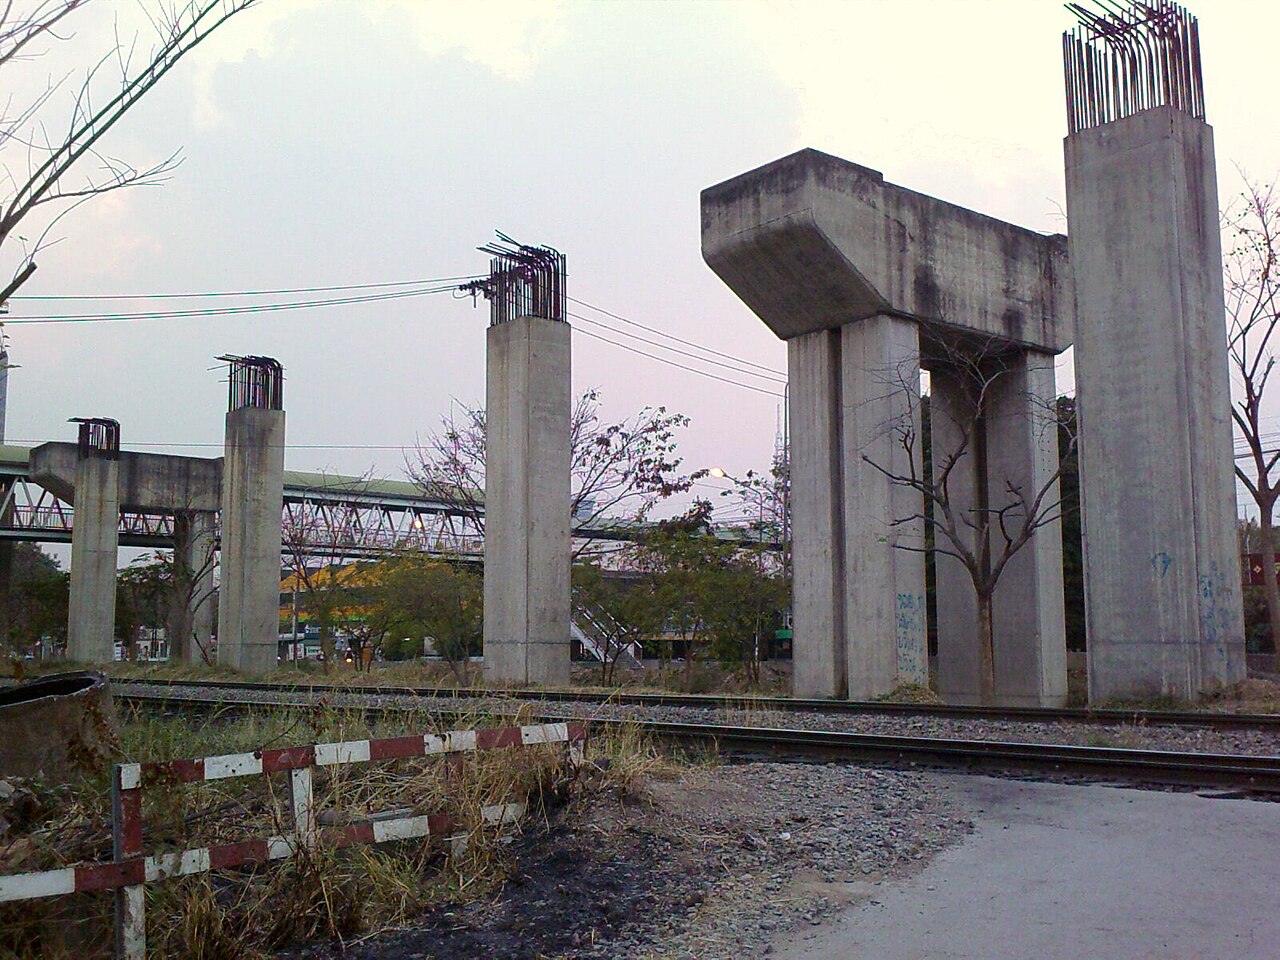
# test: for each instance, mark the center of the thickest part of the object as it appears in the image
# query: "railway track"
(1108, 716)
(1242, 775)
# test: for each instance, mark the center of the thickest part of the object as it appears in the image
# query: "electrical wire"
(249, 293)
(687, 343)
(676, 350)
(704, 373)
(223, 311)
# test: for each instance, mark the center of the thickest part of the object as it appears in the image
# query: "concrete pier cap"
(812, 242)
(869, 283)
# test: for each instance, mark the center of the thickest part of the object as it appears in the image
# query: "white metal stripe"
(130, 775)
(403, 829)
(177, 864)
(231, 765)
(280, 848)
(32, 886)
(351, 751)
(433, 744)
(545, 733)
(503, 812)
(131, 923)
(460, 741)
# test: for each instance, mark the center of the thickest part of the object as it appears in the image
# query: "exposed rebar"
(1127, 56)
(255, 382)
(522, 281)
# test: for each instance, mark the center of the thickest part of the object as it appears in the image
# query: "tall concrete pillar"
(527, 502)
(252, 496)
(817, 516)
(1012, 442)
(885, 612)
(95, 538)
(194, 548)
(1162, 581)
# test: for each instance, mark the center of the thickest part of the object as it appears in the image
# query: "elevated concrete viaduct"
(100, 480)
(869, 283)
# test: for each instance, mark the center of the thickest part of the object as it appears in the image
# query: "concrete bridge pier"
(885, 611)
(527, 499)
(194, 548)
(91, 615)
(863, 279)
(252, 493)
(1011, 442)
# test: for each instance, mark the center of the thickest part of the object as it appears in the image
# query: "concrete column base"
(252, 499)
(91, 618)
(527, 502)
(886, 619)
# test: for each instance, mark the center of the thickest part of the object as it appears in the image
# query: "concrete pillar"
(252, 494)
(1163, 604)
(91, 618)
(817, 522)
(193, 532)
(527, 501)
(885, 614)
(1019, 438)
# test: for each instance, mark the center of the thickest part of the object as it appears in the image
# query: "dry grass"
(245, 913)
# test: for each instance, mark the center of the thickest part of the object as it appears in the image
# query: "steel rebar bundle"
(1124, 58)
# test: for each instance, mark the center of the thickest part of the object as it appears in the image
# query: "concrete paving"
(1061, 872)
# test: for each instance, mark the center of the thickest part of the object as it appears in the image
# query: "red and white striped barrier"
(130, 870)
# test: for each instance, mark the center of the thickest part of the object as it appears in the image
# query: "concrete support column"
(194, 548)
(95, 534)
(1162, 581)
(252, 495)
(817, 522)
(1017, 434)
(527, 502)
(1028, 619)
(885, 613)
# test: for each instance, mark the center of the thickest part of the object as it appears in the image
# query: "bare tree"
(40, 173)
(1251, 283)
(619, 470)
(983, 531)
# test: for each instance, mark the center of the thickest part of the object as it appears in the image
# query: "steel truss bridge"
(323, 516)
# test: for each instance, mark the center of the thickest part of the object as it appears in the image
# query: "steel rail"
(1260, 775)
(746, 702)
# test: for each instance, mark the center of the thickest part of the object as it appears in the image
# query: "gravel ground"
(713, 864)
(1188, 739)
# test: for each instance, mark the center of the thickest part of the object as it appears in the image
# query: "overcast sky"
(330, 143)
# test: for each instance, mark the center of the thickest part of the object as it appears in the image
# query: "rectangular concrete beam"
(812, 242)
(1012, 443)
(885, 614)
(1162, 577)
(817, 516)
(527, 502)
(91, 616)
(252, 494)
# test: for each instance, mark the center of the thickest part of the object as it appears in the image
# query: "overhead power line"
(224, 311)
(679, 352)
(703, 373)
(687, 343)
(248, 293)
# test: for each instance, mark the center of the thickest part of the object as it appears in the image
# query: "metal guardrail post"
(126, 840)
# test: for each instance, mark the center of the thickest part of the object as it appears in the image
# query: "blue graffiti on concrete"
(911, 617)
(1161, 562)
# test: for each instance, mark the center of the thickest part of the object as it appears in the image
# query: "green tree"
(618, 609)
(425, 598)
(37, 602)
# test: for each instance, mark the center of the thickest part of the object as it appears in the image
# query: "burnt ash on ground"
(568, 895)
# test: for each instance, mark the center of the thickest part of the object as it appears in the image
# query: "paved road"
(1057, 872)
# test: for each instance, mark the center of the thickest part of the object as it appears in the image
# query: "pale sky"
(332, 142)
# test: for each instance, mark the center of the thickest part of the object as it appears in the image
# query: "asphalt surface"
(1062, 872)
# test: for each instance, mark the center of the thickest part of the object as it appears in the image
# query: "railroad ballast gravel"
(1132, 736)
